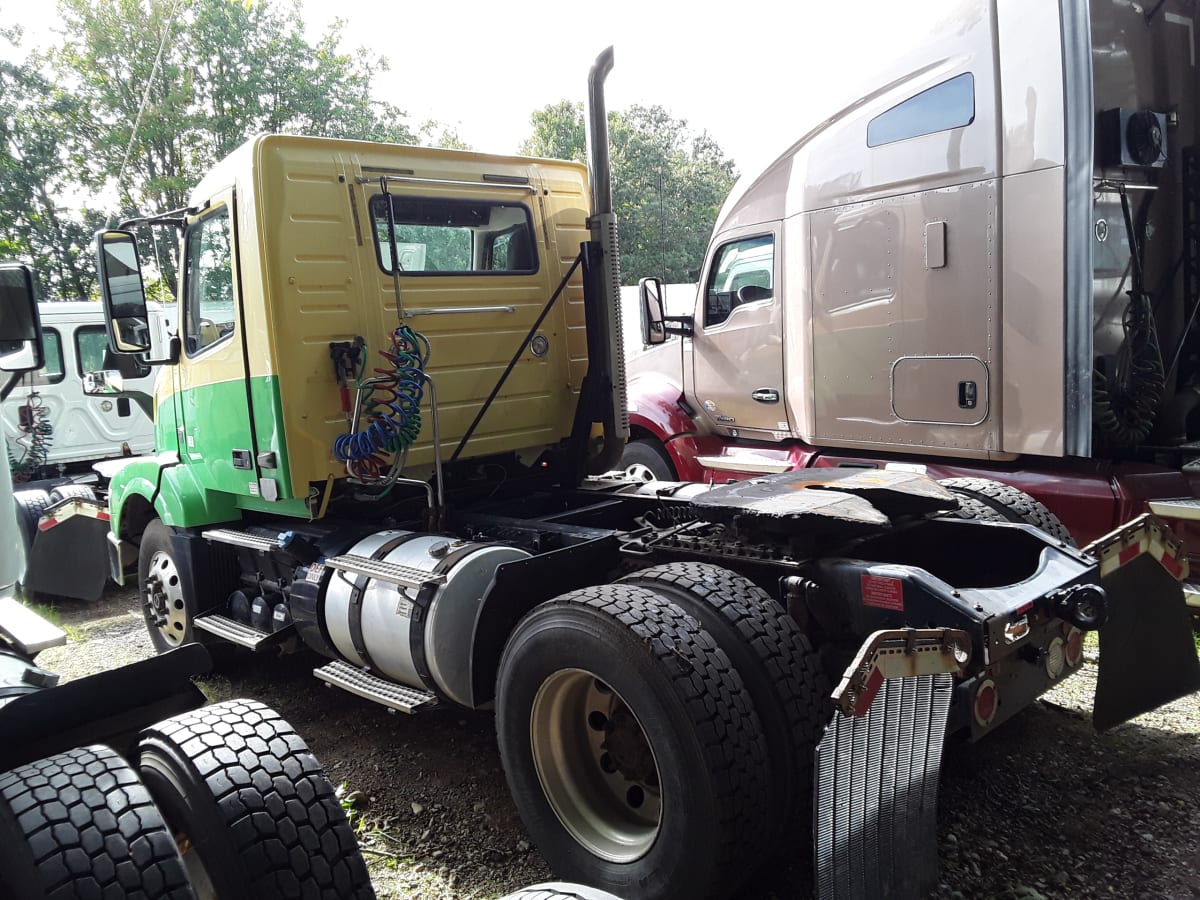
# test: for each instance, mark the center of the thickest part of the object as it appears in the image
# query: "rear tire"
(560, 890)
(1012, 504)
(81, 824)
(72, 492)
(781, 671)
(252, 806)
(631, 748)
(646, 460)
(31, 505)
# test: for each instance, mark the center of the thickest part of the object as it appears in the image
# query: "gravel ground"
(1044, 808)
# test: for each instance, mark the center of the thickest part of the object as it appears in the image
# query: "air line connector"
(346, 356)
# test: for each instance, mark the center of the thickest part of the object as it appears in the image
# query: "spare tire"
(251, 806)
(81, 824)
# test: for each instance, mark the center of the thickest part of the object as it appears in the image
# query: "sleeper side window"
(52, 370)
(450, 236)
(950, 104)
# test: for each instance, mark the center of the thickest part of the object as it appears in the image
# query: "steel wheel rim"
(595, 765)
(164, 598)
(640, 472)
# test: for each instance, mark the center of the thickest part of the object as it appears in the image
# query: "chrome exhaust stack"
(609, 368)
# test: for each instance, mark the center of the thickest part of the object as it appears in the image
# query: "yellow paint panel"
(310, 276)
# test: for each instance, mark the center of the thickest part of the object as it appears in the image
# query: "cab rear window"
(440, 236)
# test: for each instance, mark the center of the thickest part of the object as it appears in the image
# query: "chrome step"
(239, 632)
(371, 687)
(240, 539)
(392, 573)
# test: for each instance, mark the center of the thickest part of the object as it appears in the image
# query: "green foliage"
(144, 96)
(668, 184)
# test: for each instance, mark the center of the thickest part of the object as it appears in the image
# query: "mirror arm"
(684, 326)
(13, 380)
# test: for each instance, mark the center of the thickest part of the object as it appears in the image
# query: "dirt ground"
(1044, 808)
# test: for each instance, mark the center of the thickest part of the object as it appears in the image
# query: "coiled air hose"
(391, 407)
(35, 444)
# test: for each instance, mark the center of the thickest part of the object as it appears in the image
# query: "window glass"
(52, 371)
(743, 273)
(950, 104)
(92, 354)
(208, 286)
(437, 235)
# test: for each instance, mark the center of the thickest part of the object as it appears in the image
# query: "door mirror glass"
(104, 383)
(650, 295)
(123, 291)
(20, 333)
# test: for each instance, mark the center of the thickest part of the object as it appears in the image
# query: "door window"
(92, 354)
(52, 371)
(208, 286)
(743, 273)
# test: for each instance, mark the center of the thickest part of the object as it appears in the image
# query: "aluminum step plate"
(1177, 508)
(371, 687)
(392, 573)
(239, 632)
(240, 539)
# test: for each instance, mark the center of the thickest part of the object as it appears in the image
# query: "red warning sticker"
(882, 592)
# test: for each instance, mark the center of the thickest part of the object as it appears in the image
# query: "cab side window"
(208, 283)
(743, 273)
(92, 354)
(52, 371)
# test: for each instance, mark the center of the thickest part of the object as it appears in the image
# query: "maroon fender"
(655, 411)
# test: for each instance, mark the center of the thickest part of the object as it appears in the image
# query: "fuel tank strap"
(355, 610)
(420, 614)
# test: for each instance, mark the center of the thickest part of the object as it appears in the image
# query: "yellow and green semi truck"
(382, 435)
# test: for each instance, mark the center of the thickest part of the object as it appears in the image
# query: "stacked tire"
(226, 802)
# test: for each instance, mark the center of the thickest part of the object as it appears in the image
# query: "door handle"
(766, 395)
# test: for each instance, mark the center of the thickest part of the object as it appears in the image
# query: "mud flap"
(875, 818)
(69, 556)
(1147, 655)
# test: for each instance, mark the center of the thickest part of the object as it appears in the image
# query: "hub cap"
(596, 767)
(640, 472)
(165, 609)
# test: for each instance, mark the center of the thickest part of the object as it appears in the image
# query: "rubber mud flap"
(875, 804)
(1147, 655)
(70, 559)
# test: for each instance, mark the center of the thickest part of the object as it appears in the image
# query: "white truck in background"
(51, 427)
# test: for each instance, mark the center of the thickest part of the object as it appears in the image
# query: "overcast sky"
(733, 69)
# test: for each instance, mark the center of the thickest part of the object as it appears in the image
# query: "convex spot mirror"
(123, 291)
(103, 383)
(20, 330)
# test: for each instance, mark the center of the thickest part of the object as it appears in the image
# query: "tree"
(667, 183)
(36, 121)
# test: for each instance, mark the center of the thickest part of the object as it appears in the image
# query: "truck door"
(216, 437)
(737, 352)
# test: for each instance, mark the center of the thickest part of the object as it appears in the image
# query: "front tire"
(646, 460)
(252, 806)
(630, 746)
(81, 824)
(167, 607)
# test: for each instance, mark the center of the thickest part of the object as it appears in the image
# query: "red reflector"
(103, 516)
(47, 523)
(1129, 554)
(1021, 610)
(867, 697)
(986, 700)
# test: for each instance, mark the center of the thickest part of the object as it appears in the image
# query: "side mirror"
(123, 291)
(20, 327)
(104, 383)
(650, 295)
